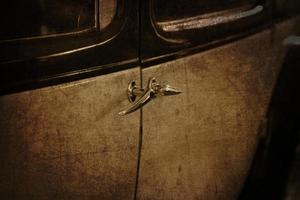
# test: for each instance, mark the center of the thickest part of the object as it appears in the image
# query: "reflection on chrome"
(154, 89)
(202, 21)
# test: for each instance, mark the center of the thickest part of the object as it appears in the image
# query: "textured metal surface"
(67, 141)
(200, 144)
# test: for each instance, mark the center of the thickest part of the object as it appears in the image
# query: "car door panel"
(67, 141)
(200, 144)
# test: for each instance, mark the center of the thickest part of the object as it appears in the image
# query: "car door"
(64, 81)
(225, 58)
(64, 65)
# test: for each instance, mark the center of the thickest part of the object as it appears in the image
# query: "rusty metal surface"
(67, 141)
(200, 144)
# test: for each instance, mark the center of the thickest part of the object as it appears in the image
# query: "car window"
(44, 42)
(45, 17)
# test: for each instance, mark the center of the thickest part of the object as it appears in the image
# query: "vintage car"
(148, 99)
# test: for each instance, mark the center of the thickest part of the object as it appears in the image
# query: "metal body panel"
(200, 144)
(67, 141)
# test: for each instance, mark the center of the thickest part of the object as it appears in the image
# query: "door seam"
(140, 140)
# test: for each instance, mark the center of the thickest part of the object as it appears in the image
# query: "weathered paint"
(68, 142)
(200, 144)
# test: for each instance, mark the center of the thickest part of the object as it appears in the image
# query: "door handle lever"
(153, 90)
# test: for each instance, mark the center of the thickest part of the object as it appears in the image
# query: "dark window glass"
(26, 18)
(176, 9)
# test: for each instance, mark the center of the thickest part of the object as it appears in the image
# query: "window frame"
(171, 45)
(29, 63)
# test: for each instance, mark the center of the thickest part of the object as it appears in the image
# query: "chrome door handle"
(154, 90)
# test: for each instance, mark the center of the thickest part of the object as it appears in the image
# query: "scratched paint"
(67, 141)
(200, 144)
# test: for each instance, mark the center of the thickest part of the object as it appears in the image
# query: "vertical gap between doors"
(140, 143)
